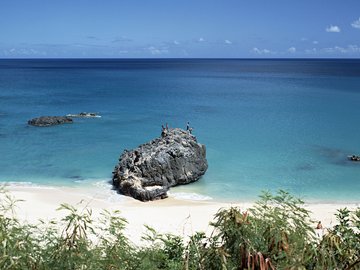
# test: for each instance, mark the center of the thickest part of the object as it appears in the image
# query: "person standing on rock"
(164, 130)
(188, 128)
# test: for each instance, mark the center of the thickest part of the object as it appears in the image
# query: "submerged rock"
(147, 172)
(46, 121)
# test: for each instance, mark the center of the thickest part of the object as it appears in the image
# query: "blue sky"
(179, 28)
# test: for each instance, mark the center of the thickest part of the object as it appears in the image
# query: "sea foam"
(24, 184)
(189, 196)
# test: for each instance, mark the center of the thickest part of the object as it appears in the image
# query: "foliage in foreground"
(276, 233)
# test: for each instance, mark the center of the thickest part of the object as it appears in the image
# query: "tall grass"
(277, 233)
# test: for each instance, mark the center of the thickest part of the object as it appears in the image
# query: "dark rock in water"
(354, 158)
(84, 115)
(147, 172)
(46, 121)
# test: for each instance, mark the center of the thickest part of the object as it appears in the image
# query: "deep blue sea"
(267, 124)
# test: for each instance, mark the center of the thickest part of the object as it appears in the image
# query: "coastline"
(172, 215)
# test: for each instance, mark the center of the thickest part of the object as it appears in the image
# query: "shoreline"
(171, 215)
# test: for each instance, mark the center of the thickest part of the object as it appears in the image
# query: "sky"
(180, 29)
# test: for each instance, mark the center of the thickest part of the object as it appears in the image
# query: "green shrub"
(160, 251)
(114, 249)
(276, 233)
(340, 248)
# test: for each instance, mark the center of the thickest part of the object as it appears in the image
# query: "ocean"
(267, 124)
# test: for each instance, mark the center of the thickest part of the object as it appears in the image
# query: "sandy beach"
(181, 217)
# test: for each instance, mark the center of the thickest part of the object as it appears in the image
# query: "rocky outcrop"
(84, 115)
(46, 121)
(147, 172)
(354, 158)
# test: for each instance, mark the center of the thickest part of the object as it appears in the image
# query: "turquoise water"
(267, 124)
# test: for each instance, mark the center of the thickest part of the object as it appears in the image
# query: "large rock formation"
(46, 121)
(147, 172)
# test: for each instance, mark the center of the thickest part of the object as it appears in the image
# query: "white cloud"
(201, 39)
(304, 39)
(315, 42)
(259, 51)
(24, 52)
(353, 49)
(356, 24)
(156, 51)
(311, 51)
(121, 39)
(333, 29)
(292, 50)
(227, 41)
(176, 42)
(350, 49)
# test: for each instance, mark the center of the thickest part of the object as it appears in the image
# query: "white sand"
(181, 217)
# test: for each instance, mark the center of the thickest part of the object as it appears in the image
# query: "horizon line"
(180, 58)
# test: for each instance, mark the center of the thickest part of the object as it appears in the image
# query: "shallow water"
(267, 124)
